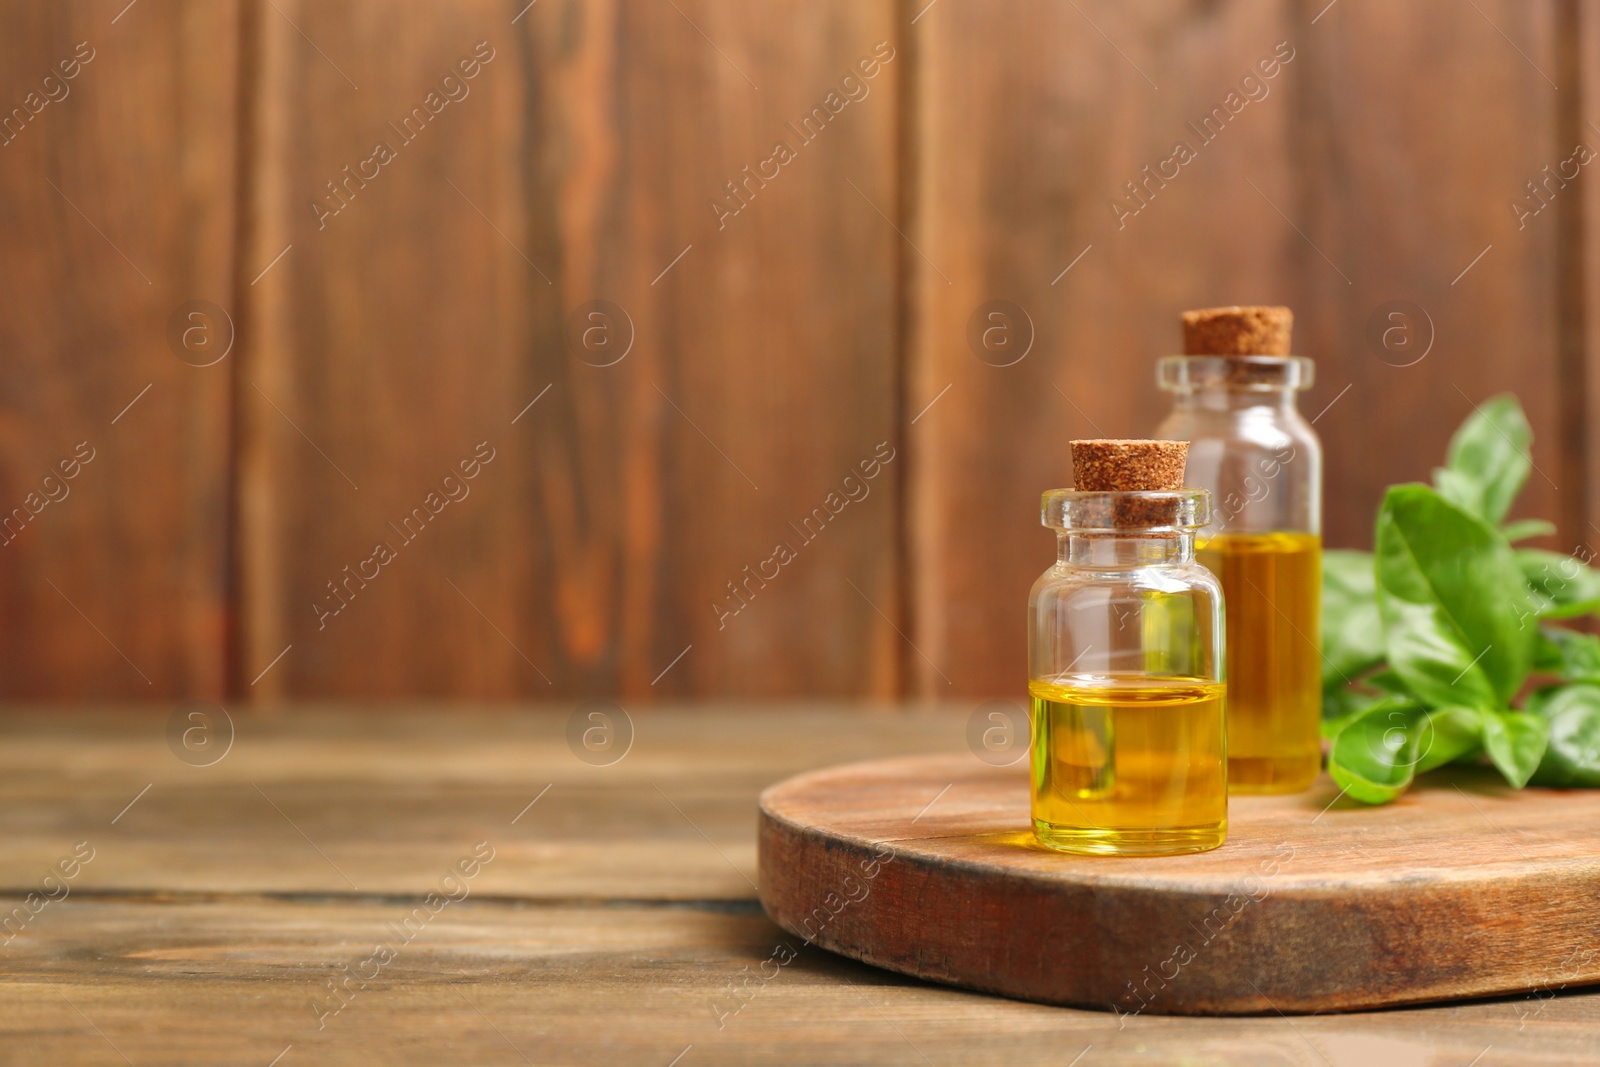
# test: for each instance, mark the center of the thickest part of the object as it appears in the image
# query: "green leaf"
(1578, 654)
(1547, 657)
(1374, 757)
(1537, 700)
(1515, 742)
(1522, 529)
(1461, 490)
(1388, 681)
(1563, 587)
(1449, 734)
(1457, 613)
(1341, 703)
(1352, 632)
(1490, 450)
(1572, 758)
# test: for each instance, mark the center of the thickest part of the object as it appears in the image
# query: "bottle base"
(1099, 841)
(1258, 776)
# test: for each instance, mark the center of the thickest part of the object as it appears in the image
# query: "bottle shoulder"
(1064, 580)
(1264, 428)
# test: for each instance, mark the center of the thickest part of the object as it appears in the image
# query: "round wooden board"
(927, 866)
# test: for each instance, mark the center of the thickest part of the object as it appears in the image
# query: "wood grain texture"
(771, 348)
(1379, 162)
(1581, 342)
(927, 865)
(117, 201)
(1018, 164)
(1403, 200)
(324, 801)
(439, 303)
(156, 958)
(187, 981)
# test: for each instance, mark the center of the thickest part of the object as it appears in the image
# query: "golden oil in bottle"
(1129, 765)
(1272, 589)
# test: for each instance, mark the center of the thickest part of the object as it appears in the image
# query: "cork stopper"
(1121, 465)
(1113, 466)
(1237, 331)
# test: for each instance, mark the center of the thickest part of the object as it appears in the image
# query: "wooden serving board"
(927, 865)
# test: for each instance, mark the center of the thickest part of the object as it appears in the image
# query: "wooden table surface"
(219, 906)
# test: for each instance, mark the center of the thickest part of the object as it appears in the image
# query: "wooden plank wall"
(1375, 166)
(716, 337)
(752, 374)
(117, 209)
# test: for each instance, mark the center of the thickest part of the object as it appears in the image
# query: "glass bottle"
(1262, 462)
(1125, 657)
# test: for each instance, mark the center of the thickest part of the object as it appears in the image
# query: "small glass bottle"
(1125, 658)
(1262, 462)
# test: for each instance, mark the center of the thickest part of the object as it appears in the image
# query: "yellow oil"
(1129, 765)
(1272, 593)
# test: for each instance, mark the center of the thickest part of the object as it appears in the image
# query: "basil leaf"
(1456, 610)
(1578, 654)
(1547, 657)
(1522, 529)
(1540, 698)
(1563, 587)
(1490, 450)
(1374, 757)
(1461, 490)
(1388, 681)
(1352, 632)
(1449, 734)
(1434, 659)
(1572, 758)
(1515, 742)
(1341, 703)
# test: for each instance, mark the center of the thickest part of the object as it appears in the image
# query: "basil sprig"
(1430, 641)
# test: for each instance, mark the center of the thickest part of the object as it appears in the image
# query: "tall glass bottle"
(1262, 462)
(1125, 673)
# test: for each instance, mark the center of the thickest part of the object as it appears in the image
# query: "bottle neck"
(1115, 551)
(1221, 398)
